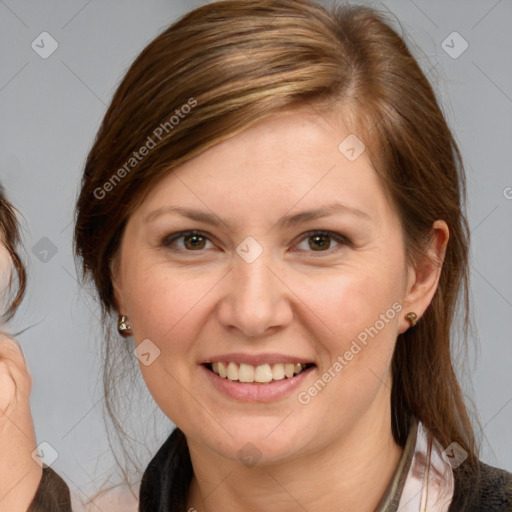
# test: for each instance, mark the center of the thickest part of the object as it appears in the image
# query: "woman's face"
(257, 289)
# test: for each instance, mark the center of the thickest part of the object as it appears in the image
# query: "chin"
(261, 441)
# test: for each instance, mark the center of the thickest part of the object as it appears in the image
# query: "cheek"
(352, 300)
(357, 313)
(161, 301)
(167, 307)
(361, 311)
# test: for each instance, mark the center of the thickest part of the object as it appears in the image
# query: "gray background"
(51, 108)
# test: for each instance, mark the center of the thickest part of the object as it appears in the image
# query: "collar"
(423, 480)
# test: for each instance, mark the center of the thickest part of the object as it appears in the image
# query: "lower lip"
(256, 392)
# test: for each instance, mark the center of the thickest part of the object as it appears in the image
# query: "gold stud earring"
(413, 318)
(123, 327)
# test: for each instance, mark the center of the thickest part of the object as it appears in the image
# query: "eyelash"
(168, 240)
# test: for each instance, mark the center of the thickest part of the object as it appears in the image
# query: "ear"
(423, 277)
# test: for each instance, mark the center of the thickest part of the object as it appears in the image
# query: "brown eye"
(321, 241)
(193, 241)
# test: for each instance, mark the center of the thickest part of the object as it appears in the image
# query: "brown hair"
(241, 61)
(10, 236)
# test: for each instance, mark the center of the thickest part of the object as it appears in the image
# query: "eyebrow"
(285, 222)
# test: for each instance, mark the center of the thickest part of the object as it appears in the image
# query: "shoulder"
(488, 488)
(167, 477)
(495, 486)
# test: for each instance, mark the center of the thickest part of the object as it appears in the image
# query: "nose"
(257, 300)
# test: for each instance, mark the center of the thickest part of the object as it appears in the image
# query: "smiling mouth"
(261, 374)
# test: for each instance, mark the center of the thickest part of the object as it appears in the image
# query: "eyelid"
(338, 237)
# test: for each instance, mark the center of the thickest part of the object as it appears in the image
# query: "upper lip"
(256, 359)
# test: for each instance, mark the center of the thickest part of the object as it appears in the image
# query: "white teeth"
(289, 369)
(246, 373)
(278, 371)
(232, 371)
(262, 373)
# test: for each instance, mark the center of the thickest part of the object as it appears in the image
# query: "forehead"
(294, 159)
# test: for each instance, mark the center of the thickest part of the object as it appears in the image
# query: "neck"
(352, 473)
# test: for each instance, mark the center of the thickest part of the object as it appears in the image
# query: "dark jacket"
(165, 483)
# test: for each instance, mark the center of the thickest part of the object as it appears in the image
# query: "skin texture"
(19, 473)
(300, 297)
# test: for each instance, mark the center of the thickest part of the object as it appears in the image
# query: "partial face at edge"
(6, 270)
